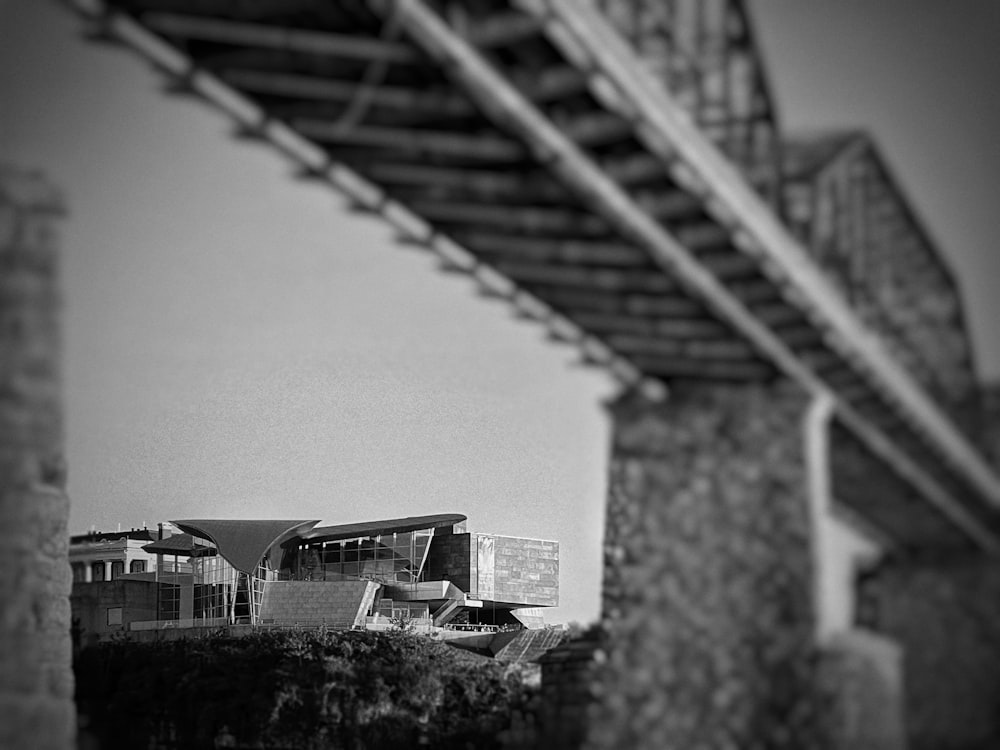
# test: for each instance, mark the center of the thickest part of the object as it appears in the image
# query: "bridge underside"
(629, 196)
(504, 136)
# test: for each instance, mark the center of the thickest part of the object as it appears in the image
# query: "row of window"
(97, 570)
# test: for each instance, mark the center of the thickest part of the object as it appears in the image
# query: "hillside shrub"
(308, 690)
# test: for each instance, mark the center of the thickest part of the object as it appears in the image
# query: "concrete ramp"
(336, 604)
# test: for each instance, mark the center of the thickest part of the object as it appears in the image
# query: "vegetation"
(295, 689)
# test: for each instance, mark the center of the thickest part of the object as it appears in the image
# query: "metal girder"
(442, 143)
(328, 43)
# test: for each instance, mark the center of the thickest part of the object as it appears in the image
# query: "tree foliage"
(308, 690)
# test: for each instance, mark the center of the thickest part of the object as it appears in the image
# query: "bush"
(307, 690)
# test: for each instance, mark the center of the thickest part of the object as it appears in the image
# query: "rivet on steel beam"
(182, 85)
(446, 265)
(309, 173)
(408, 239)
(487, 292)
(526, 307)
(254, 132)
(560, 330)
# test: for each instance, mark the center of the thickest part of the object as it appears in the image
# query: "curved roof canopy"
(243, 543)
(374, 528)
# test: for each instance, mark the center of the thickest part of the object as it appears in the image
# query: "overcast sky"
(239, 345)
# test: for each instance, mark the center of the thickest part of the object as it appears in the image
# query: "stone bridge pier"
(719, 629)
(709, 572)
(36, 680)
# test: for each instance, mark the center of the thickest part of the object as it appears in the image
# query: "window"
(97, 571)
(79, 572)
(114, 615)
(137, 566)
(117, 568)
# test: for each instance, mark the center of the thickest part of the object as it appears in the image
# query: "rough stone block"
(707, 586)
(35, 672)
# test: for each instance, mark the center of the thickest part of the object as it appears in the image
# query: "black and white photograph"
(499, 374)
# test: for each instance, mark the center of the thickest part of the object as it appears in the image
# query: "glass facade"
(388, 558)
(208, 590)
(214, 584)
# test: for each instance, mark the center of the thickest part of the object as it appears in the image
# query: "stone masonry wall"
(708, 574)
(945, 614)
(568, 694)
(338, 604)
(525, 571)
(36, 681)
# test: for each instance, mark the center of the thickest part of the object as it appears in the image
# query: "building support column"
(36, 679)
(709, 573)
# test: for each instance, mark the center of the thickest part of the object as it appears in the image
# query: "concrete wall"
(91, 601)
(36, 681)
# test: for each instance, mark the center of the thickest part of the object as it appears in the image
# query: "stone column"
(945, 614)
(36, 680)
(708, 602)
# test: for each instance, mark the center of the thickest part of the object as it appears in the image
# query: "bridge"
(785, 332)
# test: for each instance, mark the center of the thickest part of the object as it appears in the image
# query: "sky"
(240, 344)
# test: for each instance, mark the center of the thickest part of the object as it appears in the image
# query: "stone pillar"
(36, 680)
(945, 614)
(708, 602)
(862, 674)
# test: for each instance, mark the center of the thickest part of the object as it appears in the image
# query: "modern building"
(427, 570)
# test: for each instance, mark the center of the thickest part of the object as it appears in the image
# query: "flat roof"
(182, 545)
(113, 536)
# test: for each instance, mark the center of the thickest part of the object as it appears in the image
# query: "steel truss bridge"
(615, 170)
